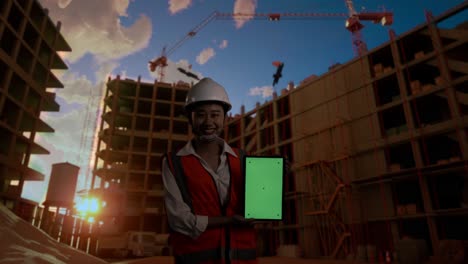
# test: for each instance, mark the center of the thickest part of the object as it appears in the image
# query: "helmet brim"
(189, 108)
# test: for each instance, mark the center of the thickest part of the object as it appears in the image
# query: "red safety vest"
(216, 245)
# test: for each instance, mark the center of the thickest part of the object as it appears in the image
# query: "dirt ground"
(265, 260)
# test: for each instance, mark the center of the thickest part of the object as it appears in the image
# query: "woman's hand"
(239, 220)
(236, 220)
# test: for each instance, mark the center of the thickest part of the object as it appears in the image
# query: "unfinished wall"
(391, 126)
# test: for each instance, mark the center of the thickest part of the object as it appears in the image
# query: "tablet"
(263, 187)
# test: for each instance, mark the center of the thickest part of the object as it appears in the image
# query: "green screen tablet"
(263, 187)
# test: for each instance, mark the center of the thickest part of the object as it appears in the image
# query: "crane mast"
(350, 6)
(354, 25)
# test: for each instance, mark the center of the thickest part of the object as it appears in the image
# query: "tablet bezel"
(282, 184)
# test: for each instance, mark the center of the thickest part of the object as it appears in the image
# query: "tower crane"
(353, 24)
(161, 61)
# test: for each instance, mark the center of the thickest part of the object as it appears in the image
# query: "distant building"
(59, 201)
(62, 185)
(29, 42)
(140, 123)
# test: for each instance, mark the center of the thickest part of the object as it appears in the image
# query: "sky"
(119, 37)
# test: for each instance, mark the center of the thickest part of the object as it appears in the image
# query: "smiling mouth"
(208, 131)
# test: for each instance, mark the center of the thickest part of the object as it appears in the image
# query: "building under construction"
(29, 43)
(140, 123)
(378, 145)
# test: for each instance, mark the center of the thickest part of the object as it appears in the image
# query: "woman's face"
(208, 120)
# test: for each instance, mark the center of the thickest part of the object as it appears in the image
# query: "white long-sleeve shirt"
(180, 217)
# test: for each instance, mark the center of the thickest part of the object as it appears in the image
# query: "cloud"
(105, 69)
(205, 55)
(64, 3)
(77, 89)
(94, 27)
(172, 75)
(223, 44)
(264, 91)
(121, 7)
(123, 74)
(244, 7)
(176, 6)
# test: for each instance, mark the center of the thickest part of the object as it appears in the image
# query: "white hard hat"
(207, 90)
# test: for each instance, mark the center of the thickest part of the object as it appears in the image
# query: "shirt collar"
(189, 150)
